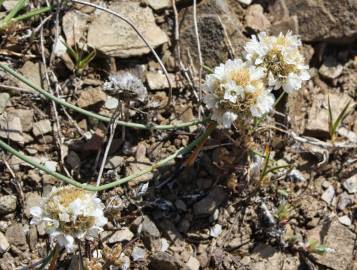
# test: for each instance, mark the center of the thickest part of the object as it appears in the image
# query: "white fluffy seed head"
(69, 213)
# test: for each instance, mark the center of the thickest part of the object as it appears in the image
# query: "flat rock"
(4, 98)
(214, 18)
(32, 71)
(31, 199)
(209, 204)
(134, 167)
(74, 25)
(26, 118)
(117, 38)
(255, 18)
(11, 128)
(91, 97)
(351, 184)
(8, 204)
(159, 4)
(42, 127)
(150, 233)
(330, 68)
(164, 261)
(285, 25)
(4, 244)
(325, 20)
(328, 195)
(16, 236)
(318, 117)
(158, 81)
(345, 220)
(122, 235)
(337, 237)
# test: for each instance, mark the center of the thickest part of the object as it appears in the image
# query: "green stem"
(5, 22)
(99, 117)
(32, 13)
(118, 182)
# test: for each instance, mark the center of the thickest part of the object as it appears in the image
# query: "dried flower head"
(70, 213)
(127, 84)
(280, 58)
(236, 89)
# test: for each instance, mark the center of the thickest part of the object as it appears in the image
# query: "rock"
(111, 103)
(32, 237)
(91, 98)
(337, 237)
(351, 184)
(122, 235)
(158, 81)
(134, 167)
(209, 204)
(350, 135)
(32, 71)
(73, 160)
(275, 260)
(296, 175)
(193, 263)
(285, 25)
(328, 194)
(115, 163)
(164, 261)
(325, 20)
(117, 38)
(74, 25)
(344, 200)
(42, 127)
(9, 4)
(8, 204)
(318, 117)
(11, 128)
(159, 4)
(16, 236)
(279, 10)
(212, 34)
(149, 232)
(245, 2)
(138, 254)
(26, 118)
(330, 69)
(345, 220)
(4, 98)
(4, 244)
(215, 231)
(31, 199)
(255, 18)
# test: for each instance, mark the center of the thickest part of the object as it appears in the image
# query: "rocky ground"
(208, 215)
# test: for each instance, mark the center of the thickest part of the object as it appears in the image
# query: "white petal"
(228, 118)
(292, 83)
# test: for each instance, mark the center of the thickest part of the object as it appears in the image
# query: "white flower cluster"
(69, 213)
(243, 90)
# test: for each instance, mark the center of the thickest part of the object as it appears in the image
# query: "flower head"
(236, 89)
(280, 58)
(69, 213)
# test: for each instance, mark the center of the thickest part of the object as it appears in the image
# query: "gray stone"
(338, 237)
(149, 232)
(328, 194)
(193, 263)
(16, 236)
(345, 220)
(209, 204)
(115, 163)
(117, 38)
(31, 71)
(344, 200)
(91, 97)
(8, 204)
(135, 167)
(158, 81)
(164, 261)
(32, 237)
(214, 18)
(285, 25)
(111, 103)
(159, 4)
(31, 199)
(330, 69)
(42, 127)
(255, 18)
(4, 244)
(325, 20)
(11, 128)
(74, 25)
(4, 98)
(138, 254)
(351, 184)
(26, 118)
(122, 235)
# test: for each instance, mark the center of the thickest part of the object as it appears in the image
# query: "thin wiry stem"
(139, 34)
(117, 182)
(91, 114)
